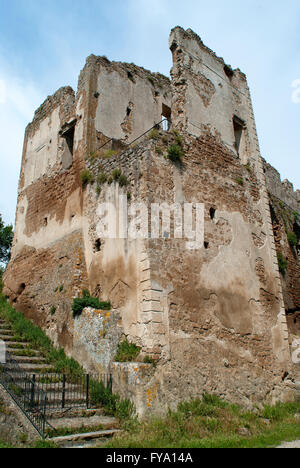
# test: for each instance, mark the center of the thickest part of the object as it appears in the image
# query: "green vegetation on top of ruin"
(292, 239)
(80, 303)
(282, 263)
(86, 178)
(210, 422)
(127, 352)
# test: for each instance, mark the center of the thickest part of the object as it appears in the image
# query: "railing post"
(44, 416)
(87, 391)
(63, 398)
(32, 391)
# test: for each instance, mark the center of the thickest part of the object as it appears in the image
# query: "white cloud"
(16, 110)
(296, 93)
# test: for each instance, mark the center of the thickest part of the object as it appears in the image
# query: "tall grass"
(210, 422)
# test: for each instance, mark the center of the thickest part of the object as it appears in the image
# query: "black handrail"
(25, 392)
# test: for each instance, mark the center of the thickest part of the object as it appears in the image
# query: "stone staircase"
(67, 428)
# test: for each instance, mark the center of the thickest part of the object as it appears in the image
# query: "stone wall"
(212, 318)
(282, 190)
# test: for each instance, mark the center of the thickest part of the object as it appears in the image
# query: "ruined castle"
(223, 318)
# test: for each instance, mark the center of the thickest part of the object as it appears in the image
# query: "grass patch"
(149, 360)
(86, 178)
(25, 331)
(127, 352)
(282, 263)
(239, 181)
(154, 134)
(123, 181)
(175, 153)
(116, 174)
(210, 422)
(100, 394)
(292, 239)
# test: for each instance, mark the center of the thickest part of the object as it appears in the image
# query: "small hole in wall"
(212, 213)
(45, 221)
(206, 245)
(98, 244)
(22, 288)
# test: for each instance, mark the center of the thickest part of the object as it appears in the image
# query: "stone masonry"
(220, 318)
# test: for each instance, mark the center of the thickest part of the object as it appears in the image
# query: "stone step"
(6, 331)
(74, 413)
(36, 368)
(15, 352)
(29, 359)
(73, 439)
(15, 343)
(9, 338)
(107, 422)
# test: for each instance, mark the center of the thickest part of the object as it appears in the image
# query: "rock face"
(211, 313)
(15, 429)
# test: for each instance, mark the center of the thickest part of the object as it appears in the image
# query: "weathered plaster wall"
(48, 266)
(124, 100)
(213, 318)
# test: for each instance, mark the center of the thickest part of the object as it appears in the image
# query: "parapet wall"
(283, 190)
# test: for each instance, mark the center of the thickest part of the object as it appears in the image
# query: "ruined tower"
(213, 318)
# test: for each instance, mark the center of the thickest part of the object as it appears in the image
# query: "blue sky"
(44, 43)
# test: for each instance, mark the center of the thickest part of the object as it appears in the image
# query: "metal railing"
(39, 394)
(73, 391)
(25, 392)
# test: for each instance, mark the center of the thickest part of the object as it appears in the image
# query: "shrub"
(158, 150)
(102, 178)
(109, 154)
(240, 181)
(86, 178)
(149, 360)
(127, 352)
(282, 263)
(123, 181)
(296, 216)
(116, 174)
(292, 239)
(154, 135)
(52, 310)
(175, 153)
(178, 138)
(81, 303)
